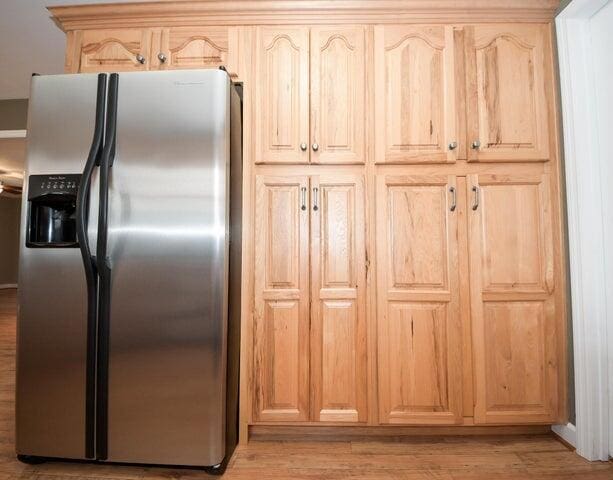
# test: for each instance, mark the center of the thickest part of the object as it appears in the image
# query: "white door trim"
(584, 189)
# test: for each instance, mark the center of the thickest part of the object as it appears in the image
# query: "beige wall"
(13, 114)
(9, 239)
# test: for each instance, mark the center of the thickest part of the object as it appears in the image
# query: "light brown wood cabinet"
(310, 95)
(309, 321)
(378, 287)
(419, 331)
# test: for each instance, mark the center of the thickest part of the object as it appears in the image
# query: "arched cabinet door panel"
(415, 111)
(506, 99)
(338, 93)
(120, 50)
(281, 97)
(192, 47)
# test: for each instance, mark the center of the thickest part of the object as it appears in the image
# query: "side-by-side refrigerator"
(129, 283)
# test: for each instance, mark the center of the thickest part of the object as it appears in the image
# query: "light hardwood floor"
(450, 458)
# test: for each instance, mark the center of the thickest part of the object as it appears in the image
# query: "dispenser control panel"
(53, 184)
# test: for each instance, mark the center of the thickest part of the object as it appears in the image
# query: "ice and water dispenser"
(52, 211)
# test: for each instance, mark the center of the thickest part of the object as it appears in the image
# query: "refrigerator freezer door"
(51, 329)
(168, 251)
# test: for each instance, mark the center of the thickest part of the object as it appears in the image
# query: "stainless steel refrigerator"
(129, 280)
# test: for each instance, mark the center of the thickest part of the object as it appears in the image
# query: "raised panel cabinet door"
(117, 50)
(338, 94)
(419, 329)
(338, 299)
(282, 95)
(512, 303)
(415, 111)
(281, 310)
(507, 117)
(192, 47)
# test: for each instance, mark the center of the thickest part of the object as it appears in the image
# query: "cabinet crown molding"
(259, 12)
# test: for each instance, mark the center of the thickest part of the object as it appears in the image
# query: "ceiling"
(31, 43)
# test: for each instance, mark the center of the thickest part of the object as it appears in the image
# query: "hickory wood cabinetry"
(309, 315)
(310, 95)
(402, 248)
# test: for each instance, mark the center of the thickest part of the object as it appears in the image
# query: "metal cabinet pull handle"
(162, 57)
(315, 192)
(303, 146)
(303, 206)
(475, 145)
(453, 145)
(140, 59)
(476, 202)
(315, 147)
(453, 199)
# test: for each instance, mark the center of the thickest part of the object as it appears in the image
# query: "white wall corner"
(567, 432)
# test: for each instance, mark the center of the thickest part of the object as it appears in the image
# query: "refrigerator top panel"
(168, 252)
(60, 123)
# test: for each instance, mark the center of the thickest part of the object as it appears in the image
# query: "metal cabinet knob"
(161, 57)
(140, 59)
(453, 145)
(303, 146)
(475, 145)
(315, 147)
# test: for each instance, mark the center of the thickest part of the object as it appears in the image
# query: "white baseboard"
(567, 432)
(7, 285)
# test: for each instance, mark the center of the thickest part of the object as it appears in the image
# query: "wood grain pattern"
(513, 309)
(419, 334)
(114, 50)
(416, 114)
(282, 95)
(338, 317)
(337, 94)
(281, 316)
(193, 47)
(507, 106)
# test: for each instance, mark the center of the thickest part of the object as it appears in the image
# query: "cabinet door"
(415, 112)
(338, 322)
(282, 95)
(193, 47)
(512, 305)
(419, 330)
(115, 50)
(337, 94)
(506, 101)
(281, 313)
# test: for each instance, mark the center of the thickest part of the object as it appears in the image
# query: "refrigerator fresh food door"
(168, 256)
(52, 318)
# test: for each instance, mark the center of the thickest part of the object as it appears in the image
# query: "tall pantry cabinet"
(403, 261)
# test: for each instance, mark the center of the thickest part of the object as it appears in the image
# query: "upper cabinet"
(281, 126)
(310, 95)
(192, 47)
(124, 50)
(415, 109)
(337, 94)
(506, 103)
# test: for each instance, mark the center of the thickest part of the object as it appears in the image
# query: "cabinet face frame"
(421, 302)
(338, 299)
(403, 136)
(515, 362)
(493, 103)
(282, 55)
(281, 307)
